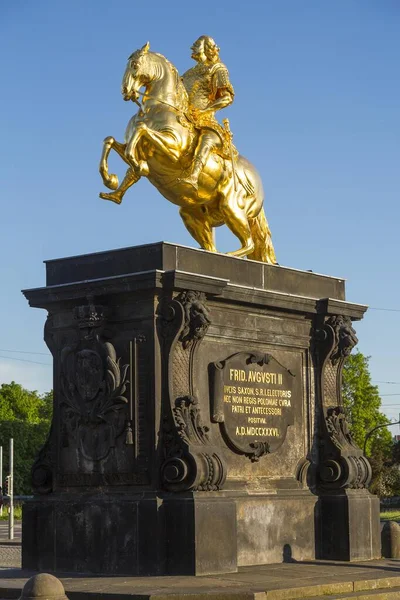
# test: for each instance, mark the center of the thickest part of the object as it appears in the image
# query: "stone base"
(197, 418)
(200, 535)
(128, 535)
(266, 526)
(185, 534)
(348, 526)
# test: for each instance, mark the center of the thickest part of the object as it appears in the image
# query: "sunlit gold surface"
(175, 141)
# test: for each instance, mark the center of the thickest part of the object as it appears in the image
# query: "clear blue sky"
(317, 109)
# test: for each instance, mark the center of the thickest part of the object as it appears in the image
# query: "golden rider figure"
(176, 142)
(209, 90)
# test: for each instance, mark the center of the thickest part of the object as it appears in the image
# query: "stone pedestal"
(348, 524)
(198, 423)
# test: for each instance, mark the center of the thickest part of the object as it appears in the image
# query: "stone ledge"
(164, 256)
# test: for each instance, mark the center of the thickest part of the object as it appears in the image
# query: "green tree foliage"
(26, 417)
(386, 476)
(362, 402)
(396, 453)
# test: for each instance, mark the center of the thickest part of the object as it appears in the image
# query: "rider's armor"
(203, 84)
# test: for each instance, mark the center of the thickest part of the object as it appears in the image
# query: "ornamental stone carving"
(341, 462)
(192, 461)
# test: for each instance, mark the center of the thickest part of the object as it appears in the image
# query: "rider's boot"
(204, 147)
(193, 178)
(130, 178)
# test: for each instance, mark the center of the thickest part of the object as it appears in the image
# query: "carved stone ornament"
(192, 461)
(252, 398)
(345, 337)
(259, 449)
(188, 420)
(90, 315)
(338, 428)
(93, 386)
(196, 317)
(192, 458)
(342, 464)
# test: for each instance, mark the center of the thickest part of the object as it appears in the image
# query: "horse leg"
(263, 246)
(236, 219)
(131, 177)
(197, 223)
(120, 150)
(109, 180)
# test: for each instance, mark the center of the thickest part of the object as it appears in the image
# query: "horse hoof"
(111, 182)
(242, 252)
(113, 197)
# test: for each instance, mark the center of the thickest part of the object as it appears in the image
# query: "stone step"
(387, 594)
(335, 583)
(376, 589)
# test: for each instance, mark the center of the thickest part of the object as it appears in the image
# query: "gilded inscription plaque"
(253, 400)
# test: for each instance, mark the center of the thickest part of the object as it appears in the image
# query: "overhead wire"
(35, 362)
(385, 309)
(25, 352)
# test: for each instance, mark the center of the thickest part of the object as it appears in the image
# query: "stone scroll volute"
(191, 460)
(341, 462)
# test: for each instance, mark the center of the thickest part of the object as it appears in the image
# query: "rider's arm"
(224, 98)
(222, 90)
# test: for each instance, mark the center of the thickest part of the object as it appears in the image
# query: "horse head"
(136, 73)
(146, 69)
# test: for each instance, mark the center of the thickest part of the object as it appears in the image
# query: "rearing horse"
(159, 144)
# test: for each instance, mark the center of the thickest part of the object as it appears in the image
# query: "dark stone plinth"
(266, 526)
(121, 533)
(163, 256)
(198, 423)
(349, 526)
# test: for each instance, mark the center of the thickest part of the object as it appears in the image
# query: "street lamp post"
(1, 477)
(11, 493)
(374, 429)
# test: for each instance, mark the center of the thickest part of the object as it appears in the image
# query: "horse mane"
(181, 92)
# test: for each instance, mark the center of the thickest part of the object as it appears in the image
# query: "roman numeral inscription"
(256, 399)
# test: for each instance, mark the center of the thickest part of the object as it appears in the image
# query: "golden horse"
(159, 144)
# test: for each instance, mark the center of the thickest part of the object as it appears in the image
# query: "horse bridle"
(161, 102)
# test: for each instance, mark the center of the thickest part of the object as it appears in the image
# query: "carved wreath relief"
(93, 385)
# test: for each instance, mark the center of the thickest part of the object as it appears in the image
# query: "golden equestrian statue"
(177, 143)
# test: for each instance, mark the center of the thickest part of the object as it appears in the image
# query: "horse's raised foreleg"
(164, 142)
(197, 223)
(110, 180)
(131, 177)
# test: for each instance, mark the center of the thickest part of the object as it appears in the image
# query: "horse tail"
(261, 234)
